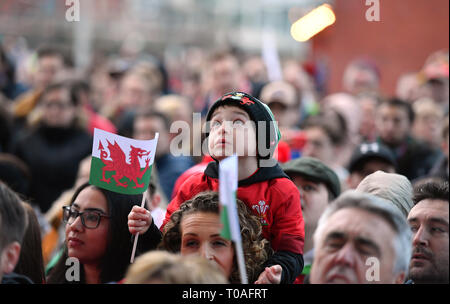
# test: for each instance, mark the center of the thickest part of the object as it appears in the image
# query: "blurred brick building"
(408, 31)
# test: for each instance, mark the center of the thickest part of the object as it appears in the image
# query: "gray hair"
(353, 199)
(392, 187)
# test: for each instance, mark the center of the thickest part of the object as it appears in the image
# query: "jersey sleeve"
(288, 228)
(188, 189)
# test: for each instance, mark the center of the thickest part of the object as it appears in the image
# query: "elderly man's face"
(350, 237)
(429, 224)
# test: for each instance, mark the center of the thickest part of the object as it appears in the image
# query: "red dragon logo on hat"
(244, 100)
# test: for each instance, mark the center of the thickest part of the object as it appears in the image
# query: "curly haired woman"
(195, 229)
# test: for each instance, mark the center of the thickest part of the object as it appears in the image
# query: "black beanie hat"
(257, 110)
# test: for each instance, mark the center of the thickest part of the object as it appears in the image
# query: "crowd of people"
(349, 187)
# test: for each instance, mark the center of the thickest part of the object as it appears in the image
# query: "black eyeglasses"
(89, 219)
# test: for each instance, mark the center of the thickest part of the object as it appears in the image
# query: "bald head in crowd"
(392, 187)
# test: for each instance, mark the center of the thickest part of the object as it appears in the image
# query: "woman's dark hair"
(15, 173)
(256, 249)
(8, 68)
(117, 258)
(6, 127)
(31, 262)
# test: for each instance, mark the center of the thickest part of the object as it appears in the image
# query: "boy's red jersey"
(268, 193)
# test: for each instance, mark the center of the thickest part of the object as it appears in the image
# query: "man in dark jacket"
(393, 121)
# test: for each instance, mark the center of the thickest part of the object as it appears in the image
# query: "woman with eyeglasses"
(97, 237)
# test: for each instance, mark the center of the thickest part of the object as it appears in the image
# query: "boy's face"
(232, 132)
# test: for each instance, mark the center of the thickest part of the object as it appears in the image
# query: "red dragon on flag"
(121, 164)
(118, 164)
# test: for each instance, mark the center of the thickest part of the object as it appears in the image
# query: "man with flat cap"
(318, 186)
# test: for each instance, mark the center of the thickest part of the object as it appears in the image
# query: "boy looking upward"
(241, 124)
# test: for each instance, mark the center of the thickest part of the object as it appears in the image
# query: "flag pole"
(137, 234)
(133, 252)
(235, 230)
(228, 184)
(241, 262)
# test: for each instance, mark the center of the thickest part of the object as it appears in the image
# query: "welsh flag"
(227, 194)
(228, 184)
(121, 164)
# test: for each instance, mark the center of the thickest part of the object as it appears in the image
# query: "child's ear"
(10, 257)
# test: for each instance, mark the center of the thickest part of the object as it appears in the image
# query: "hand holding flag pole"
(133, 253)
(136, 237)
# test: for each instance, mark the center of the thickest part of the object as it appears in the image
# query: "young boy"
(263, 186)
